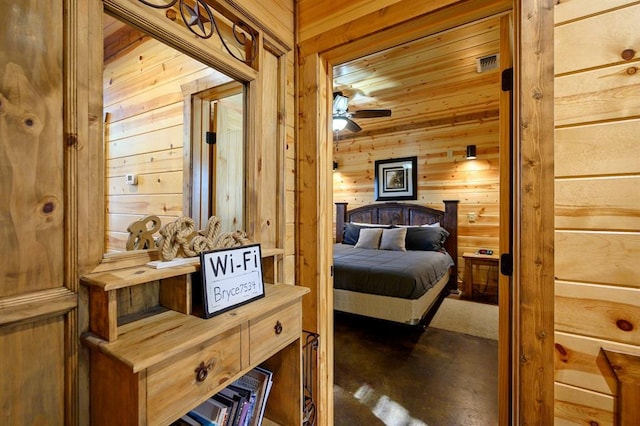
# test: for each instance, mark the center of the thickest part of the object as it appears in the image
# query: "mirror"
(174, 137)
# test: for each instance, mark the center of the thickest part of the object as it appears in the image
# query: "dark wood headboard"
(406, 214)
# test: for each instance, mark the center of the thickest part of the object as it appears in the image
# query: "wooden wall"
(443, 174)
(597, 197)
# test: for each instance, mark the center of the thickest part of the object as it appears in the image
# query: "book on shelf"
(258, 381)
(241, 403)
(236, 405)
(209, 413)
(186, 421)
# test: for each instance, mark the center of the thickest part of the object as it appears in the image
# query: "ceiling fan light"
(340, 103)
(339, 123)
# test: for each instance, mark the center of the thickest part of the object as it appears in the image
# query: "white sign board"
(231, 277)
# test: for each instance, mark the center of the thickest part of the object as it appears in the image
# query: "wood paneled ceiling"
(429, 82)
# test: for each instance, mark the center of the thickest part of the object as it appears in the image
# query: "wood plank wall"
(443, 174)
(143, 111)
(597, 219)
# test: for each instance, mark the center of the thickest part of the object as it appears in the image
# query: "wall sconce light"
(335, 166)
(471, 152)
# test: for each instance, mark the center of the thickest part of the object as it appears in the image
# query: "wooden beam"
(534, 211)
(314, 214)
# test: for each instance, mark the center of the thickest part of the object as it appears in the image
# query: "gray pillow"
(393, 239)
(369, 238)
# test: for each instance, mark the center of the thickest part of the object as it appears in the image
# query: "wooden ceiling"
(429, 82)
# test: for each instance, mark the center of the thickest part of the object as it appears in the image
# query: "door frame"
(527, 381)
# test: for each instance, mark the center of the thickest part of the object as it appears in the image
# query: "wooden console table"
(149, 371)
(471, 260)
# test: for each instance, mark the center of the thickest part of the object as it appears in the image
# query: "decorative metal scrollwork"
(200, 21)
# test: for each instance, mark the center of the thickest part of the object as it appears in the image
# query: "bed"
(389, 283)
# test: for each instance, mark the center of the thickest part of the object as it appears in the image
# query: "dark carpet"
(392, 374)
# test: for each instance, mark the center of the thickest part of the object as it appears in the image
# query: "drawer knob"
(202, 371)
(278, 327)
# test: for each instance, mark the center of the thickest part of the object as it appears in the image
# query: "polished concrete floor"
(399, 375)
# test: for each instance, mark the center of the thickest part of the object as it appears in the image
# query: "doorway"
(218, 151)
(440, 103)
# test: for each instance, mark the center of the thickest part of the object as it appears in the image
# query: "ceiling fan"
(342, 117)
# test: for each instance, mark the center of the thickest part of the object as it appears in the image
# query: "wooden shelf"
(140, 274)
(151, 340)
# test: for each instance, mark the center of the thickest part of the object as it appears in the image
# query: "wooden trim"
(626, 367)
(314, 238)
(281, 225)
(151, 22)
(39, 305)
(253, 153)
(534, 204)
(505, 340)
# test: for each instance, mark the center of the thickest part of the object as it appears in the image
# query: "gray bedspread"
(406, 274)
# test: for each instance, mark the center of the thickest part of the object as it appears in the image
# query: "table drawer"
(178, 384)
(273, 331)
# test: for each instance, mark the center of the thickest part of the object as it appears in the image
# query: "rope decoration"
(180, 239)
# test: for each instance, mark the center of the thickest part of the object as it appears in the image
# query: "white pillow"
(371, 225)
(369, 238)
(434, 225)
(419, 226)
(393, 239)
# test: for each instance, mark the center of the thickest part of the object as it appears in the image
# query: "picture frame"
(229, 277)
(396, 179)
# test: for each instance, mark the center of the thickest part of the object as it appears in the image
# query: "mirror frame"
(153, 22)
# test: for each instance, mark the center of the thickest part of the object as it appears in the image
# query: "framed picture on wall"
(396, 179)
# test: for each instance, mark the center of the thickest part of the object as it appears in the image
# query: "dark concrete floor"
(401, 375)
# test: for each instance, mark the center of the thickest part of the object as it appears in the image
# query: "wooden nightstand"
(471, 260)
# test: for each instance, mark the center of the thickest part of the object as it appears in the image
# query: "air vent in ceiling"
(487, 63)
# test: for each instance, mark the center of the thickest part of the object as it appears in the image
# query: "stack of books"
(241, 403)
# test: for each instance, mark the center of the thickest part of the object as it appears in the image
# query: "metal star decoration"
(200, 15)
(194, 17)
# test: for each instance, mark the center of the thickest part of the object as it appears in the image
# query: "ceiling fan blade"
(371, 113)
(353, 126)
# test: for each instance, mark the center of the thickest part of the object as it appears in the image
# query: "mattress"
(405, 274)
